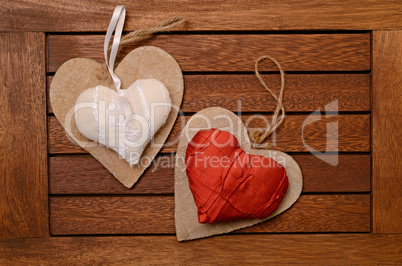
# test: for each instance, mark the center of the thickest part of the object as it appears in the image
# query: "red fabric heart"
(227, 183)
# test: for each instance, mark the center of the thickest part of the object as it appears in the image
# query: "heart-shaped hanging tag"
(215, 191)
(147, 85)
(187, 223)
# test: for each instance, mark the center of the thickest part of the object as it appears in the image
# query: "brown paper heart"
(186, 218)
(79, 74)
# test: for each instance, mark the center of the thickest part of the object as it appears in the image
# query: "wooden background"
(346, 51)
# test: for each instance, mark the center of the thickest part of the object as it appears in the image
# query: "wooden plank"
(204, 15)
(328, 249)
(234, 52)
(23, 154)
(353, 134)
(59, 141)
(304, 93)
(82, 174)
(387, 131)
(155, 215)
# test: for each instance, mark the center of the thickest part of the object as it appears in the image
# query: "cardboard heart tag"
(186, 218)
(79, 74)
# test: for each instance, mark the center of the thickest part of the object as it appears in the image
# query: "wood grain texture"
(353, 134)
(387, 131)
(328, 249)
(155, 215)
(234, 52)
(82, 174)
(304, 93)
(23, 154)
(203, 15)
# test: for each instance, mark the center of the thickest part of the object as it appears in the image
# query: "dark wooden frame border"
(24, 190)
(386, 132)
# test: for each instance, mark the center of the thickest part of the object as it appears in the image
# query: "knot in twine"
(257, 136)
(139, 35)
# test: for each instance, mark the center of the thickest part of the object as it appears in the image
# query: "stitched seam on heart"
(240, 183)
(202, 207)
(211, 204)
(228, 201)
(95, 112)
(216, 193)
(221, 196)
(205, 140)
(145, 109)
(234, 207)
(230, 168)
(225, 196)
(206, 214)
(192, 156)
(234, 161)
(284, 174)
(253, 175)
(275, 196)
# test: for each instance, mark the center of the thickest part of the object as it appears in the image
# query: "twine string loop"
(257, 136)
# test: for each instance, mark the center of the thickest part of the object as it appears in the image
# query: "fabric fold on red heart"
(227, 183)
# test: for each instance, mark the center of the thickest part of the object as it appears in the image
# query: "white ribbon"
(116, 24)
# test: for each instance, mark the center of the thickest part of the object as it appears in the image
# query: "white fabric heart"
(122, 120)
(101, 116)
